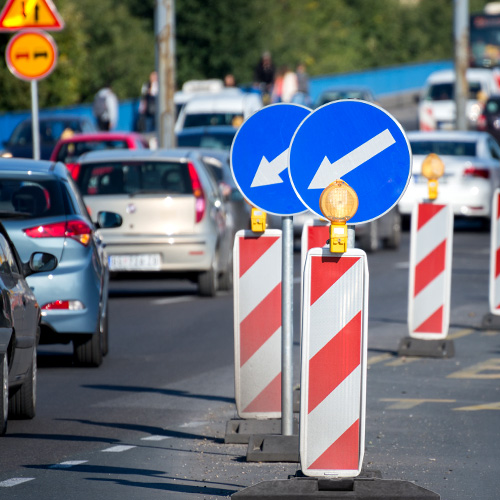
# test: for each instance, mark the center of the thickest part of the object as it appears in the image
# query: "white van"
(436, 110)
(230, 106)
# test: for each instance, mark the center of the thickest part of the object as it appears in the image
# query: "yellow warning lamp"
(432, 169)
(338, 203)
(257, 220)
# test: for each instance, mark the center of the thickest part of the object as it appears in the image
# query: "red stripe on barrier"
(317, 236)
(260, 324)
(343, 453)
(430, 267)
(323, 277)
(269, 399)
(252, 248)
(497, 263)
(334, 362)
(427, 211)
(433, 324)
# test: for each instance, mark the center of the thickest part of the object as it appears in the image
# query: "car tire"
(207, 283)
(4, 399)
(226, 278)
(22, 404)
(88, 350)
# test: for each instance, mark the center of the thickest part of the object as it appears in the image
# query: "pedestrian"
(105, 108)
(264, 75)
(147, 104)
(290, 85)
(229, 80)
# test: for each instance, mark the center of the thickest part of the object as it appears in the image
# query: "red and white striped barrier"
(430, 271)
(494, 295)
(315, 234)
(334, 350)
(257, 323)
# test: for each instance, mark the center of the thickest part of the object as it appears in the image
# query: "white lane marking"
(269, 172)
(68, 464)
(328, 172)
(155, 438)
(15, 481)
(119, 448)
(172, 300)
(194, 424)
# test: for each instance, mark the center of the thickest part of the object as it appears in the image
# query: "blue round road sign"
(259, 158)
(355, 141)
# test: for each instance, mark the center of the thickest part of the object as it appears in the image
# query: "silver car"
(174, 220)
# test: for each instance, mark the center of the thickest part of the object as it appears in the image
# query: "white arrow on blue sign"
(355, 141)
(259, 158)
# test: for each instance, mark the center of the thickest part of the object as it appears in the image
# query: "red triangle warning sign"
(21, 14)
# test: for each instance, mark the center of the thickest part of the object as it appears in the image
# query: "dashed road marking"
(172, 300)
(486, 370)
(15, 481)
(68, 464)
(409, 403)
(460, 334)
(194, 424)
(155, 438)
(402, 361)
(119, 448)
(486, 406)
(379, 359)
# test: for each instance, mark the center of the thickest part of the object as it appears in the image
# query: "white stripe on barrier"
(425, 303)
(431, 235)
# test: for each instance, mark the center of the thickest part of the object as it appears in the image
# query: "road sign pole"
(35, 120)
(287, 330)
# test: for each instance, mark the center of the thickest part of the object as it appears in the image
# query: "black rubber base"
(491, 322)
(444, 348)
(273, 448)
(352, 489)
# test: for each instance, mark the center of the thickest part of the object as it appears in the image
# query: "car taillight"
(60, 305)
(200, 203)
(76, 229)
(74, 169)
(481, 122)
(477, 172)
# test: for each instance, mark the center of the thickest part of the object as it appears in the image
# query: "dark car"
(210, 137)
(20, 143)
(347, 92)
(489, 120)
(19, 331)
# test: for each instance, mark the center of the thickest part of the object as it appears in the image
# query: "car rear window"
(446, 92)
(206, 140)
(110, 178)
(70, 151)
(209, 119)
(445, 148)
(42, 198)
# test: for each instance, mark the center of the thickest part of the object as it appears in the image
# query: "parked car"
(174, 220)
(20, 143)
(344, 92)
(19, 331)
(489, 120)
(230, 106)
(214, 137)
(472, 171)
(42, 210)
(437, 109)
(68, 149)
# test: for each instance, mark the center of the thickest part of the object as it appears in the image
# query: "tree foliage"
(111, 42)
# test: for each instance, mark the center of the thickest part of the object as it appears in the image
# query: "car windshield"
(206, 140)
(209, 119)
(42, 198)
(70, 151)
(446, 91)
(138, 177)
(50, 131)
(444, 148)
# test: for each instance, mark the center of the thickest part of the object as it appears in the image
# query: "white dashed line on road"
(155, 438)
(172, 300)
(15, 481)
(119, 448)
(67, 465)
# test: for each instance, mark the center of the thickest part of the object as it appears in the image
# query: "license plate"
(139, 262)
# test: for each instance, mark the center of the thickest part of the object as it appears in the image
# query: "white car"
(472, 171)
(230, 106)
(437, 109)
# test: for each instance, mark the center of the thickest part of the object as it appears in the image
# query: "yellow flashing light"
(257, 220)
(432, 169)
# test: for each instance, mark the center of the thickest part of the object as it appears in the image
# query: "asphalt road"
(150, 422)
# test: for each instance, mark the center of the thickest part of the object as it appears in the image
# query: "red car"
(69, 149)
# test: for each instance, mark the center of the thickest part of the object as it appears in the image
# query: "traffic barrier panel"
(257, 323)
(333, 354)
(494, 295)
(430, 271)
(315, 234)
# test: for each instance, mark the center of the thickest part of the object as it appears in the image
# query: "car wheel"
(226, 278)
(4, 399)
(88, 349)
(207, 283)
(22, 404)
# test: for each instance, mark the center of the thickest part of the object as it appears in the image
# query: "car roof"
(137, 154)
(29, 167)
(448, 75)
(225, 100)
(100, 136)
(447, 135)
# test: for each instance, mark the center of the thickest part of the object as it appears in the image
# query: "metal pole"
(461, 35)
(35, 120)
(165, 67)
(287, 328)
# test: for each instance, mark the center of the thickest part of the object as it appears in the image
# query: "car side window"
(494, 149)
(8, 263)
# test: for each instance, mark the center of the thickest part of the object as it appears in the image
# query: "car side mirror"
(108, 220)
(40, 262)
